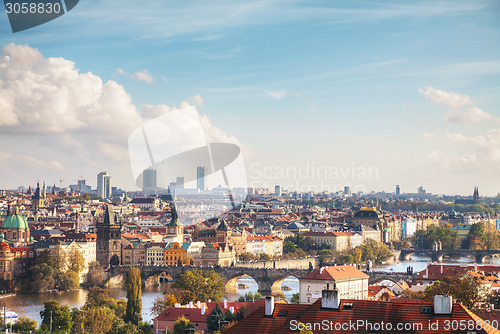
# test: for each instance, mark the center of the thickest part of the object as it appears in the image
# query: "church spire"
(175, 218)
(109, 216)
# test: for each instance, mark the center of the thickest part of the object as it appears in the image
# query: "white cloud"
(197, 100)
(473, 153)
(279, 94)
(49, 95)
(427, 135)
(143, 75)
(212, 133)
(26, 162)
(453, 161)
(68, 122)
(462, 108)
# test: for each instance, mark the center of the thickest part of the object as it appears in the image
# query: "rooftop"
(336, 273)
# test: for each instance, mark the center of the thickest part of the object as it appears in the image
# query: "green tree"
(181, 324)
(24, 325)
(73, 279)
(246, 257)
(75, 261)
(99, 297)
(265, 257)
(124, 328)
(295, 298)
(476, 239)
(445, 234)
(250, 296)
(44, 277)
(96, 275)
(492, 240)
(201, 286)
(145, 328)
(240, 314)
(215, 319)
(162, 303)
(60, 314)
(134, 301)
(289, 247)
(465, 290)
(99, 319)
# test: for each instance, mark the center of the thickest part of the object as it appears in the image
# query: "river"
(31, 305)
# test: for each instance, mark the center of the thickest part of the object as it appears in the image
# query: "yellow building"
(218, 254)
(175, 253)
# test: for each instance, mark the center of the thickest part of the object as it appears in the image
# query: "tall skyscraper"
(179, 182)
(277, 190)
(200, 177)
(347, 190)
(398, 190)
(149, 182)
(103, 185)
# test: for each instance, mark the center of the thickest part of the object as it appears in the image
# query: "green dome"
(15, 221)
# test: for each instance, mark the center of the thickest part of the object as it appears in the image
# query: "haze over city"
(317, 95)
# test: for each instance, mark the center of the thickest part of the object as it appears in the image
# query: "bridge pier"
(435, 257)
(480, 258)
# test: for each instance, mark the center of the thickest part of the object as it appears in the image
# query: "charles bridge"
(268, 280)
(437, 255)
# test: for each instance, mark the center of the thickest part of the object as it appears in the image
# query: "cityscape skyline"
(365, 95)
(104, 189)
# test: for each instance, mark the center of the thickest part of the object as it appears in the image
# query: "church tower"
(475, 197)
(223, 232)
(38, 199)
(175, 231)
(109, 244)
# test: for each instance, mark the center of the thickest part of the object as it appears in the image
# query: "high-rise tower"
(103, 185)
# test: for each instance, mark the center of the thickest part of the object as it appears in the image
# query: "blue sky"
(410, 88)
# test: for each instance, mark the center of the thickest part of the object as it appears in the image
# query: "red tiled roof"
(440, 271)
(194, 314)
(368, 311)
(336, 273)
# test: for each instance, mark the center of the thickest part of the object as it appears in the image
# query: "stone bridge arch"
(406, 255)
(276, 287)
(232, 284)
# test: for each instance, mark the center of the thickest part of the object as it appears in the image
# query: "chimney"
(321, 270)
(426, 273)
(198, 304)
(203, 309)
(475, 266)
(269, 306)
(225, 303)
(330, 299)
(190, 304)
(443, 304)
(441, 269)
(231, 309)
